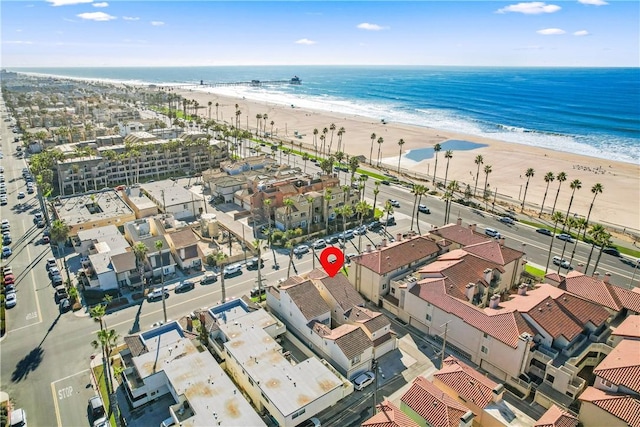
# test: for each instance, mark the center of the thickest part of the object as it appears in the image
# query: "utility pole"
(374, 368)
(444, 343)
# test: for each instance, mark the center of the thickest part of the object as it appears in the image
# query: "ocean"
(591, 111)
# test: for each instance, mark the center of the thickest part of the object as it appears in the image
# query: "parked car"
(257, 291)
(254, 263)
(96, 408)
(61, 293)
(184, 286)
(424, 209)
(311, 422)
(492, 232)
(361, 230)
(156, 294)
(348, 234)
(231, 270)
(21, 195)
(394, 203)
(566, 237)
(374, 225)
(168, 422)
(6, 239)
(388, 221)
(5, 225)
(9, 279)
(319, 244)
(506, 220)
(208, 278)
(544, 231)
(332, 240)
(56, 280)
(363, 380)
(53, 271)
(51, 262)
(6, 252)
(10, 300)
(18, 418)
(301, 249)
(64, 305)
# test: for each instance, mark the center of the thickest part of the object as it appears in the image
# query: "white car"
(394, 203)
(156, 294)
(363, 380)
(301, 249)
(21, 195)
(11, 299)
(319, 244)
(232, 269)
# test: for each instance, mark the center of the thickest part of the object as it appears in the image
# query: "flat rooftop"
(170, 193)
(90, 207)
(288, 386)
(212, 396)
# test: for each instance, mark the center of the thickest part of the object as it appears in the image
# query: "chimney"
(607, 276)
(202, 318)
(522, 289)
(189, 324)
(470, 291)
(383, 243)
(368, 247)
(466, 420)
(497, 393)
(494, 301)
(580, 268)
(459, 221)
(501, 241)
(596, 275)
(488, 275)
(472, 227)
(399, 237)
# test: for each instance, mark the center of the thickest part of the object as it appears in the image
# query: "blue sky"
(173, 33)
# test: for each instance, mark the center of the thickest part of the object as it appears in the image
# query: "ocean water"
(591, 111)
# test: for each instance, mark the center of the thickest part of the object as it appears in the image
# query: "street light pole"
(635, 269)
(374, 367)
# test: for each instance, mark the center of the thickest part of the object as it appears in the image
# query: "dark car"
(385, 182)
(56, 280)
(64, 305)
(96, 408)
(208, 278)
(611, 250)
(184, 286)
(257, 292)
(61, 293)
(544, 231)
(254, 262)
(332, 240)
(374, 225)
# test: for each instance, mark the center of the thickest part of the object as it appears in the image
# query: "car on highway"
(611, 250)
(6, 252)
(254, 263)
(10, 300)
(424, 209)
(561, 262)
(37, 217)
(232, 270)
(363, 380)
(566, 237)
(319, 244)
(385, 182)
(492, 232)
(506, 220)
(544, 231)
(156, 294)
(394, 203)
(301, 249)
(208, 278)
(184, 286)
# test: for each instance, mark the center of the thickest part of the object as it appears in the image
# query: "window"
(485, 335)
(384, 286)
(355, 360)
(428, 317)
(550, 378)
(484, 349)
(393, 291)
(297, 414)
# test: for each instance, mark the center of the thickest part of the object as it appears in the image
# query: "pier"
(295, 80)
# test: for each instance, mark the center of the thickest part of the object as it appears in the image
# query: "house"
(556, 417)
(373, 270)
(629, 329)
(139, 202)
(619, 372)
(456, 236)
(174, 199)
(184, 247)
(427, 405)
(601, 408)
(389, 415)
(290, 390)
(169, 360)
(160, 262)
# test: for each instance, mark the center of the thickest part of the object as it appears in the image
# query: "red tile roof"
(504, 325)
(460, 235)
(622, 365)
(492, 251)
(372, 320)
(466, 381)
(622, 406)
(555, 321)
(613, 297)
(556, 417)
(630, 327)
(389, 415)
(437, 408)
(397, 254)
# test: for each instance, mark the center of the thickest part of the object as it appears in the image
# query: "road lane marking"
(55, 395)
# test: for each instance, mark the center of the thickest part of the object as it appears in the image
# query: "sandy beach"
(616, 206)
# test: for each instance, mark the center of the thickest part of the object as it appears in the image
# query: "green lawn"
(98, 371)
(534, 271)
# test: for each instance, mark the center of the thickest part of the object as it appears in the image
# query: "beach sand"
(617, 205)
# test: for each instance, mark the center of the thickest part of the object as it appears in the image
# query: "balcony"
(545, 354)
(182, 410)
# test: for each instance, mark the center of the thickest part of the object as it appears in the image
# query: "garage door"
(493, 370)
(418, 325)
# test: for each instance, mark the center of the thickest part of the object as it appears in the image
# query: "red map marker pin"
(333, 265)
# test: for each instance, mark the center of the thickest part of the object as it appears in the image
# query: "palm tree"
(388, 208)
(420, 191)
(414, 190)
(556, 218)
(272, 123)
(98, 312)
(400, 144)
(561, 177)
(305, 158)
(373, 138)
(327, 198)
(604, 240)
(220, 263)
(217, 105)
(487, 171)
(447, 155)
(258, 117)
(570, 222)
(140, 250)
(159, 244)
(315, 140)
(575, 185)
(341, 132)
(363, 182)
(450, 192)
(436, 149)
(210, 103)
(288, 204)
(595, 232)
(322, 139)
(59, 232)
(529, 174)
(580, 223)
(324, 134)
(380, 141)
(332, 128)
(548, 178)
(596, 189)
(106, 340)
(353, 166)
(289, 244)
(376, 190)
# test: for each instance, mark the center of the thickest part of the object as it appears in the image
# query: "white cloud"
(157, 23)
(532, 47)
(551, 31)
(101, 4)
(17, 42)
(531, 8)
(581, 33)
(130, 18)
(96, 16)
(594, 2)
(371, 27)
(67, 2)
(305, 41)
(19, 30)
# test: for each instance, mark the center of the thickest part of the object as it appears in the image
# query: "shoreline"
(509, 161)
